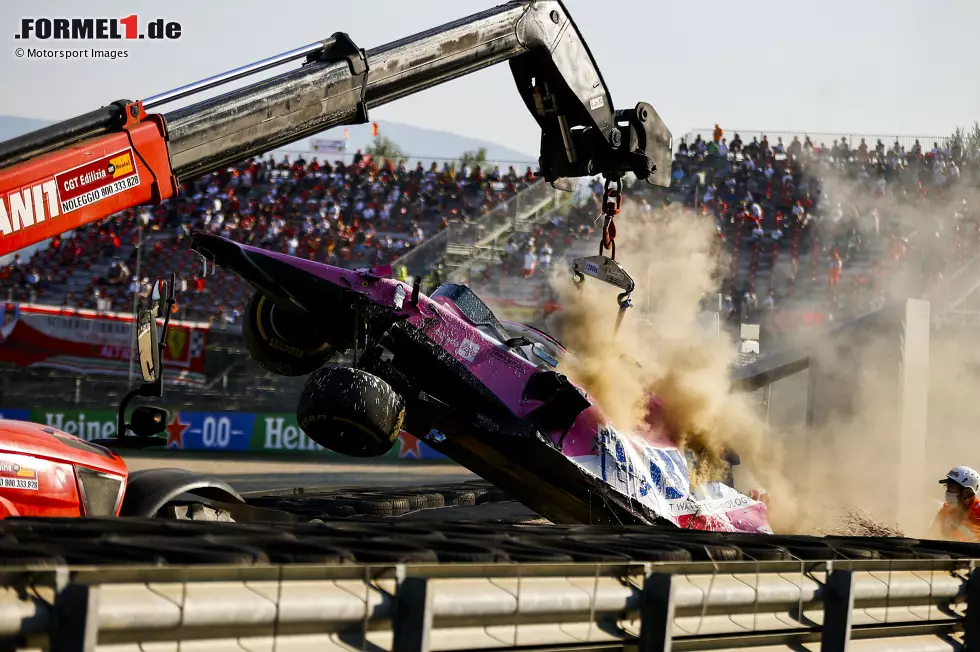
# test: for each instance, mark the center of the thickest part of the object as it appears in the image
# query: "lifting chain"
(612, 200)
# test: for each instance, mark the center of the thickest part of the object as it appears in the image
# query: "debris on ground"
(843, 520)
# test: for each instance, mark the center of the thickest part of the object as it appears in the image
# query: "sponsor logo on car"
(15, 476)
(468, 349)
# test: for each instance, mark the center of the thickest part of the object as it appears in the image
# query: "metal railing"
(539, 197)
(528, 201)
(472, 247)
(921, 604)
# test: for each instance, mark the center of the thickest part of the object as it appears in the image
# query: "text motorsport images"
(90, 29)
(38, 53)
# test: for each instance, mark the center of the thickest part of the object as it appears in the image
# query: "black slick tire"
(281, 341)
(350, 412)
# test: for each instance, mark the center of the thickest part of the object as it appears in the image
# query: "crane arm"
(120, 156)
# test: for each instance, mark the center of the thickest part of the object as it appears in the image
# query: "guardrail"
(922, 604)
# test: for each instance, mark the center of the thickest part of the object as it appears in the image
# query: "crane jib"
(556, 75)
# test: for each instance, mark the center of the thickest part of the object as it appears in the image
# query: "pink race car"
(488, 394)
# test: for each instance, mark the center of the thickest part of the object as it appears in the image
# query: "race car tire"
(433, 501)
(282, 341)
(520, 552)
(386, 552)
(468, 552)
(381, 530)
(391, 506)
(495, 495)
(849, 552)
(416, 499)
(583, 552)
(458, 498)
(773, 553)
(282, 550)
(350, 412)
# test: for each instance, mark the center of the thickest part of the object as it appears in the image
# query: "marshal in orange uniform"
(959, 518)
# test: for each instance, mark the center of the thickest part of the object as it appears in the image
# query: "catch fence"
(825, 137)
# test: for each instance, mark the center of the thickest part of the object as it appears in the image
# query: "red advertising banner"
(90, 342)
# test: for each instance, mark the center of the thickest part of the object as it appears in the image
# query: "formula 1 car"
(487, 394)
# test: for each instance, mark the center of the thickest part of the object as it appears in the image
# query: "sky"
(905, 67)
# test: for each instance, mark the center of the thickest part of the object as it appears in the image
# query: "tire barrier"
(379, 501)
(367, 577)
(915, 604)
(343, 539)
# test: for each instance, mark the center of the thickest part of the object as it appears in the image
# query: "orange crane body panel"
(85, 182)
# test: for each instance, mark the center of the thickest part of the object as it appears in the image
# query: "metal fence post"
(913, 405)
(972, 639)
(77, 625)
(413, 616)
(838, 605)
(813, 369)
(656, 613)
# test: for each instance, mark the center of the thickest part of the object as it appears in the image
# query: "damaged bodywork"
(488, 394)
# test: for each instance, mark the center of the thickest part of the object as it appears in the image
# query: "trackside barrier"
(921, 605)
(215, 432)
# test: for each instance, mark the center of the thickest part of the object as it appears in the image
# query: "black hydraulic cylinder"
(47, 139)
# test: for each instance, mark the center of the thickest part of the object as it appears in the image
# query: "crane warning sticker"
(96, 180)
(15, 476)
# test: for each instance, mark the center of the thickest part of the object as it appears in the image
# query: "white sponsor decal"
(15, 476)
(18, 483)
(286, 437)
(26, 207)
(93, 196)
(468, 349)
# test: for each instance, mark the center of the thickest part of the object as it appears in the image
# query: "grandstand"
(352, 215)
(811, 233)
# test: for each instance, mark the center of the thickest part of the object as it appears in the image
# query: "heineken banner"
(90, 342)
(212, 431)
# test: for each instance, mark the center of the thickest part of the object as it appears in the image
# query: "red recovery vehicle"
(120, 156)
(46, 472)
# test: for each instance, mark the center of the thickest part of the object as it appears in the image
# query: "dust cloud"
(842, 470)
(663, 351)
(848, 462)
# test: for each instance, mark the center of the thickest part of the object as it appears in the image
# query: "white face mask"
(952, 497)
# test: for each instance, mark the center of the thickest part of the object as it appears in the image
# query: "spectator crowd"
(833, 228)
(357, 214)
(801, 223)
(806, 229)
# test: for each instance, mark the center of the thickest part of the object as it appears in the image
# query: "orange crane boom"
(85, 169)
